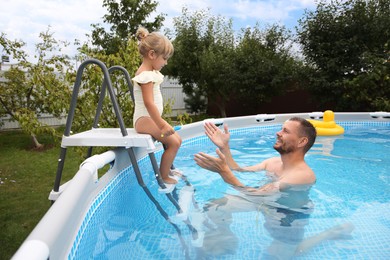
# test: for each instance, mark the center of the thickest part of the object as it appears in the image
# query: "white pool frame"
(54, 235)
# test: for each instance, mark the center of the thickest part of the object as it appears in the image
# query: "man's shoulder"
(301, 173)
(275, 159)
(273, 165)
(304, 175)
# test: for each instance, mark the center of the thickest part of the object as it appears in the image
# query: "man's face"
(287, 138)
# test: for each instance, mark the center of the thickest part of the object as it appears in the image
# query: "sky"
(72, 19)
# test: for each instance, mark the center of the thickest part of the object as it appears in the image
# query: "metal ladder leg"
(137, 171)
(60, 167)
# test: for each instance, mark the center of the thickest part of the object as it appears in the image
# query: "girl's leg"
(145, 125)
(172, 144)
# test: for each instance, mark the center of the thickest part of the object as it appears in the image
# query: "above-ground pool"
(347, 214)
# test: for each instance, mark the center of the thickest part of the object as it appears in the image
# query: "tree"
(204, 46)
(212, 60)
(346, 45)
(265, 66)
(30, 90)
(124, 16)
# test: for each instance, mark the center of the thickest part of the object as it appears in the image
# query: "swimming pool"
(353, 184)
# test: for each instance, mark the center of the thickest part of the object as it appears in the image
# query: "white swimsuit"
(139, 106)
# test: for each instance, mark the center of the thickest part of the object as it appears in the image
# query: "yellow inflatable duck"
(328, 125)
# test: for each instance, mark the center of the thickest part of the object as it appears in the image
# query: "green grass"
(26, 179)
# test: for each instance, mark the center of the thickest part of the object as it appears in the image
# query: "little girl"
(155, 49)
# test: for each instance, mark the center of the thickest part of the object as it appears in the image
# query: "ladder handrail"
(73, 103)
(106, 83)
(103, 94)
(103, 91)
(127, 78)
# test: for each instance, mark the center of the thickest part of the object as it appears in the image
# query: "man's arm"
(221, 140)
(254, 168)
(218, 165)
(269, 165)
(267, 189)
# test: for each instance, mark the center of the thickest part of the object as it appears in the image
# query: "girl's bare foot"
(169, 180)
(176, 172)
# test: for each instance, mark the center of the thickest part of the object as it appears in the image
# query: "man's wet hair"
(306, 130)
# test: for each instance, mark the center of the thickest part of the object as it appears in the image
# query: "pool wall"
(55, 234)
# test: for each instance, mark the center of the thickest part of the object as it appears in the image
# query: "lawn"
(26, 179)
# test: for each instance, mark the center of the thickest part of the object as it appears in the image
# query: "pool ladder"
(112, 137)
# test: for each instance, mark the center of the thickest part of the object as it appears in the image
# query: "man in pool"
(284, 201)
(295, 138)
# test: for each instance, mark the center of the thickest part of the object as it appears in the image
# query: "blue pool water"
(353, 186)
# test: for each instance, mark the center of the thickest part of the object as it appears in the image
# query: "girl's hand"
(167, 130)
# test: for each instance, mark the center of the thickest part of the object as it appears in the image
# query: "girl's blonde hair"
(153, 41)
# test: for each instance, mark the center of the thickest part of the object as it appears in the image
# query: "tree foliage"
(346, 45)
(124, 18)
(29, 89)
(264, 64)
(211, 60)
(196, 39)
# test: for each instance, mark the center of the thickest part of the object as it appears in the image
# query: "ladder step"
(109, 137)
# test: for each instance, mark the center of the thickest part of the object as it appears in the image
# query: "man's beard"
(283, 150)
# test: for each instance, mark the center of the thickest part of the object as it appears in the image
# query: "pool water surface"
(352, 188)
